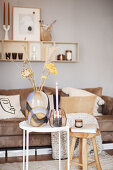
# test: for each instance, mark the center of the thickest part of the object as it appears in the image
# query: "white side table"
(47, 128)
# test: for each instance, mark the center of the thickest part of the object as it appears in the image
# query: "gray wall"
(89, 22)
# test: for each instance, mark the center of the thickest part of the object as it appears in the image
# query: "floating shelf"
(35, 50)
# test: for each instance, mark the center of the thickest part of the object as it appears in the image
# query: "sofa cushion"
(17, 141)
(107, 108)
(105, 123)
(10, 127)
(78, 104)
(79, 92)
(22, 92)
(107, 136)
(97, 91)
(50, 90)
(10, 107)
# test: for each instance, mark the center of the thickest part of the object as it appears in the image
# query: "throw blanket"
(87, 119)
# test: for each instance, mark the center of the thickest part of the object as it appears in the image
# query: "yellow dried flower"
(51, 67)
(44, 77)
(26, 73)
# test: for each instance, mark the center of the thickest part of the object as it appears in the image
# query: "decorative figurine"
(6, 28)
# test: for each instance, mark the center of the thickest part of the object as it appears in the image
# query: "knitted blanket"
(87, 119)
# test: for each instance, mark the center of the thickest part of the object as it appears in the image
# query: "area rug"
(106, 164)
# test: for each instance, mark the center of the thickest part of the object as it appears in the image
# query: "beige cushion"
(83, 104)
(80, 92)
(10, 107)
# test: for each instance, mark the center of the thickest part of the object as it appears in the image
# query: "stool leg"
(96, 154)
(72, 147)
(84, 154)
(80, 152)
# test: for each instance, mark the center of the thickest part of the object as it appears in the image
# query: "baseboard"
(107, 146)
(44, 151)
(2, 154)
(14, 153)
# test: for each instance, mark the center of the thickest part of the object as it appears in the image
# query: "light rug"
(106, 164)
(87, 119)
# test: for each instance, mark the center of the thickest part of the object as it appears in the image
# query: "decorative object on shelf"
(58, 116)
(14, 56)
(26, 24)
(61, 57)
(37, 108)
(78, 123)
(69, 55)
(20, 56)
(8, 55)
(35, 51)
(45, 32)
(6, 28)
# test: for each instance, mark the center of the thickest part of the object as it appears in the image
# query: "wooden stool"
(83, 158)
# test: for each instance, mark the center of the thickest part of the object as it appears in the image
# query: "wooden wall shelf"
(34, 50)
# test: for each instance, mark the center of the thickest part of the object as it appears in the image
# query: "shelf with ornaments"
(68, 52)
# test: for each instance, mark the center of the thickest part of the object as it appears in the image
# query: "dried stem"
(40, 88)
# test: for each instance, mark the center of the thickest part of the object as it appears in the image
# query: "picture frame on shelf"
(26, 23)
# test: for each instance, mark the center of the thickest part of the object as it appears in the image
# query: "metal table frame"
(47, 128)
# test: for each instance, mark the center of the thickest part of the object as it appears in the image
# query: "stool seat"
(83, 158)
(84, 135)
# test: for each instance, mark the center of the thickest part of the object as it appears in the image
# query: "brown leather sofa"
(11, 134)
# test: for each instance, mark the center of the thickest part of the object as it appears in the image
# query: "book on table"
(87, 128)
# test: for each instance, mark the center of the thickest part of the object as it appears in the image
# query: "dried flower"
(27, 73)
(51, 67)
(25, 62)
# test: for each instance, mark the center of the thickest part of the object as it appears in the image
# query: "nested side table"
(47, 128)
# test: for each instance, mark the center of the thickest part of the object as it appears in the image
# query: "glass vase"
(57, 118)
(37, 108)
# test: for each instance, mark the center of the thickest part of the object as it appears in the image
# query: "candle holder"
(78, 123)
(57, 118)
(6, 29)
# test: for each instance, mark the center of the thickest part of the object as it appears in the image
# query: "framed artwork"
(26, 24)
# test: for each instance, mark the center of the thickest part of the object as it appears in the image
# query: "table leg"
(59, 153)
(23, 149)
(27, 147)
(84, 154)
(68, 149)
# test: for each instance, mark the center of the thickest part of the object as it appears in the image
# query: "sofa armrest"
(107, 108)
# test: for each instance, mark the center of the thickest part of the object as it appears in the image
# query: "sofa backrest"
(48, 90)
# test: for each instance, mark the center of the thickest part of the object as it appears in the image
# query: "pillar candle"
(57, 98)
(4, 14)
(8, 14)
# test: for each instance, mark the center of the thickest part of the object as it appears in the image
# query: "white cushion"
(10, 107)
(51, 102)
(80, 92)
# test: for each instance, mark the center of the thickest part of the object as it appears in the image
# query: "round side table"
(47, 128)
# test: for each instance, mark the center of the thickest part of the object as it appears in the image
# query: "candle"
(4, 15)
(78, 123)
(57, 98)
(8, 14)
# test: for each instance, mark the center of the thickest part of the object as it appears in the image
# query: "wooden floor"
(33, 158)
